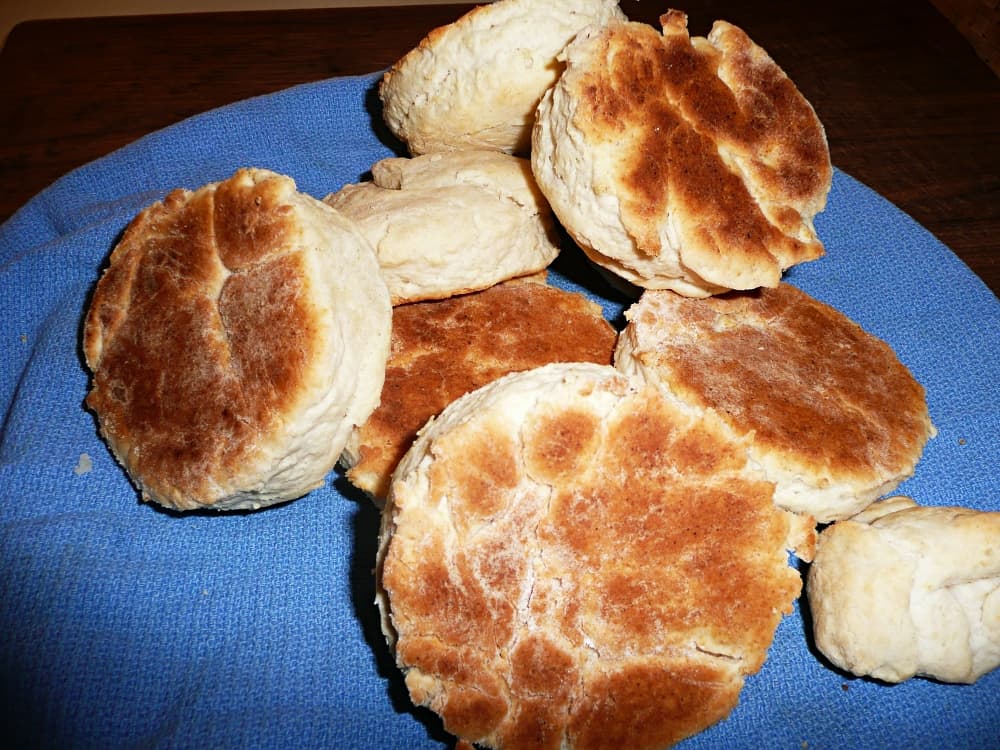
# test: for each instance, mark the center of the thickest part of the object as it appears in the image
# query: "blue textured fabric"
(126, 626)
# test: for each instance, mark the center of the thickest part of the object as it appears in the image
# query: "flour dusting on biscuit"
(568, 560)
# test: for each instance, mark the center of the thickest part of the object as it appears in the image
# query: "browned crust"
(443, 349)
(669, 102)
(801, 377)
(198, 335)
(619, 603)
(653, 705)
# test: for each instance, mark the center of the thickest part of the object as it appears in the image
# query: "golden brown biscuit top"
(199, 332)
(799, 375)
(600, 579)
(713, 130)
(443, 349)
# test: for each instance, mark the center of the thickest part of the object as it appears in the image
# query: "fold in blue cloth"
(127, 626)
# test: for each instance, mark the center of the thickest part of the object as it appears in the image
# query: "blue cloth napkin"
(122, 625)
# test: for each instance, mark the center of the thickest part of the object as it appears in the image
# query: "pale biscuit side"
(903, 590)
(475, 83)
(448, 229)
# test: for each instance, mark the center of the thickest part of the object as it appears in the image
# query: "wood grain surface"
(908, 106)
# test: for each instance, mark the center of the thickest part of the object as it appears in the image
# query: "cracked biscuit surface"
(680, 162)
(239, 333)
(569, 561)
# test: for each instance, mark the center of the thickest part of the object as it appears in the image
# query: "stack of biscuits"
(585, 531)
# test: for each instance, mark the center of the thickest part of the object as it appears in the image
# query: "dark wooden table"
(909, 108)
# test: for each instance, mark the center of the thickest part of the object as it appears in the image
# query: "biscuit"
(443, 349)
(902, 590)
(836, 419)
(569, 560)
(506, 176)
(446, 224)
(684, 163)
(238, 335)
(475, 83)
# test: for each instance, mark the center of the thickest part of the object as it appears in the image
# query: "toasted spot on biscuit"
(226, 346)
(491, 469)
(650, 705)
(678, 162)
(828, 406)
(612, 585)
(250, 228)
(558, 443)
(272, 297)
(668, 158)
(444, 349)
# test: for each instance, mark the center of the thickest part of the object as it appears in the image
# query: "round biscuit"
(835, 419)
(238, 335)
(568, 560)
(684, 163)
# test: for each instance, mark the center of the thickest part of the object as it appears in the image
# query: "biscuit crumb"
(84, 465)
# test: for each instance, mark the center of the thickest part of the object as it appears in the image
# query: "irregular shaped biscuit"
(443, 349)
(441, 226)
(902, 590)
(239, 334)
(475, 83)
(836, 419)
(681, 162)
(568, 560)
